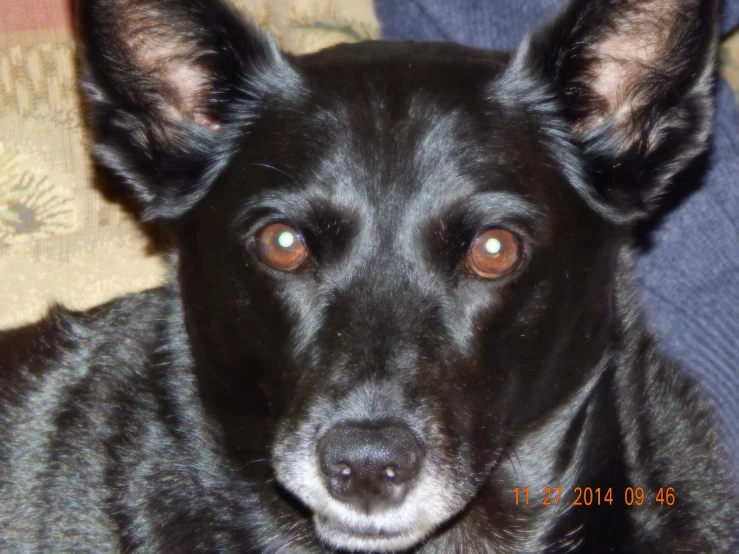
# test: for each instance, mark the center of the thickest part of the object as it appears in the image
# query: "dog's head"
(403, 254)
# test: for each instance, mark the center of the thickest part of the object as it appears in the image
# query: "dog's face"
(401, 256)
(408, 269)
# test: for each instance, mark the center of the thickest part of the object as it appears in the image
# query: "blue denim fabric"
(690, 273)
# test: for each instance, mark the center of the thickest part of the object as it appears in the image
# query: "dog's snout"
(370, 466)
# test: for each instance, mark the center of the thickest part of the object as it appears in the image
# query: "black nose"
(371, 466)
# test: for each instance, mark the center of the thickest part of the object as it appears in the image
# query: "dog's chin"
(356, 539)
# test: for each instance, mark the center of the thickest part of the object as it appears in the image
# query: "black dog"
(401, 314)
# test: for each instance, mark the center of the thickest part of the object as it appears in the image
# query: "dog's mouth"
(339, 535)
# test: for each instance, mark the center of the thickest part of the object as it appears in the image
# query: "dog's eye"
(281, 247)
(494, 253)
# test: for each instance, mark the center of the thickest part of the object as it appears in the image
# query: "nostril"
(343, 470)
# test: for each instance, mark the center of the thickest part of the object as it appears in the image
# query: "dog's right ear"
(632, 81)
(171, 85)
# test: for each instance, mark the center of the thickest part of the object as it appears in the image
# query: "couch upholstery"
(61, 239)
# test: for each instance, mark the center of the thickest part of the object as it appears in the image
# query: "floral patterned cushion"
(61, 239)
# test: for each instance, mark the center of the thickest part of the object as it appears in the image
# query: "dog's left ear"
(635, 80)
(171, 86)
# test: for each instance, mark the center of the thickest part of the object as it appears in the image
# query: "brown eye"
(281, 247)
(494, 253)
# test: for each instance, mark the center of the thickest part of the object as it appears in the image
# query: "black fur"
(186, 419)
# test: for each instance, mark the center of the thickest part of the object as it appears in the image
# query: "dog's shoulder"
(675, 454)
(74, 387)
(67, 347)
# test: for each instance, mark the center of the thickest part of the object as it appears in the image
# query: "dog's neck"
(522, 496)
(581, 446)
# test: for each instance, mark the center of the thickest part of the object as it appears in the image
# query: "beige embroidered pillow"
(61, 240)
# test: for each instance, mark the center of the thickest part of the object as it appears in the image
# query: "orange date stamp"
(594, 496)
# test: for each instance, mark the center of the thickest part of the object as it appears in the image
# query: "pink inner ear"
(170, 59)
(187, 83)
(622, 61)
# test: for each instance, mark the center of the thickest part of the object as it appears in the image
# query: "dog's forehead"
(396, 134)
(413, 121)
(390, 150)
(392, 123)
